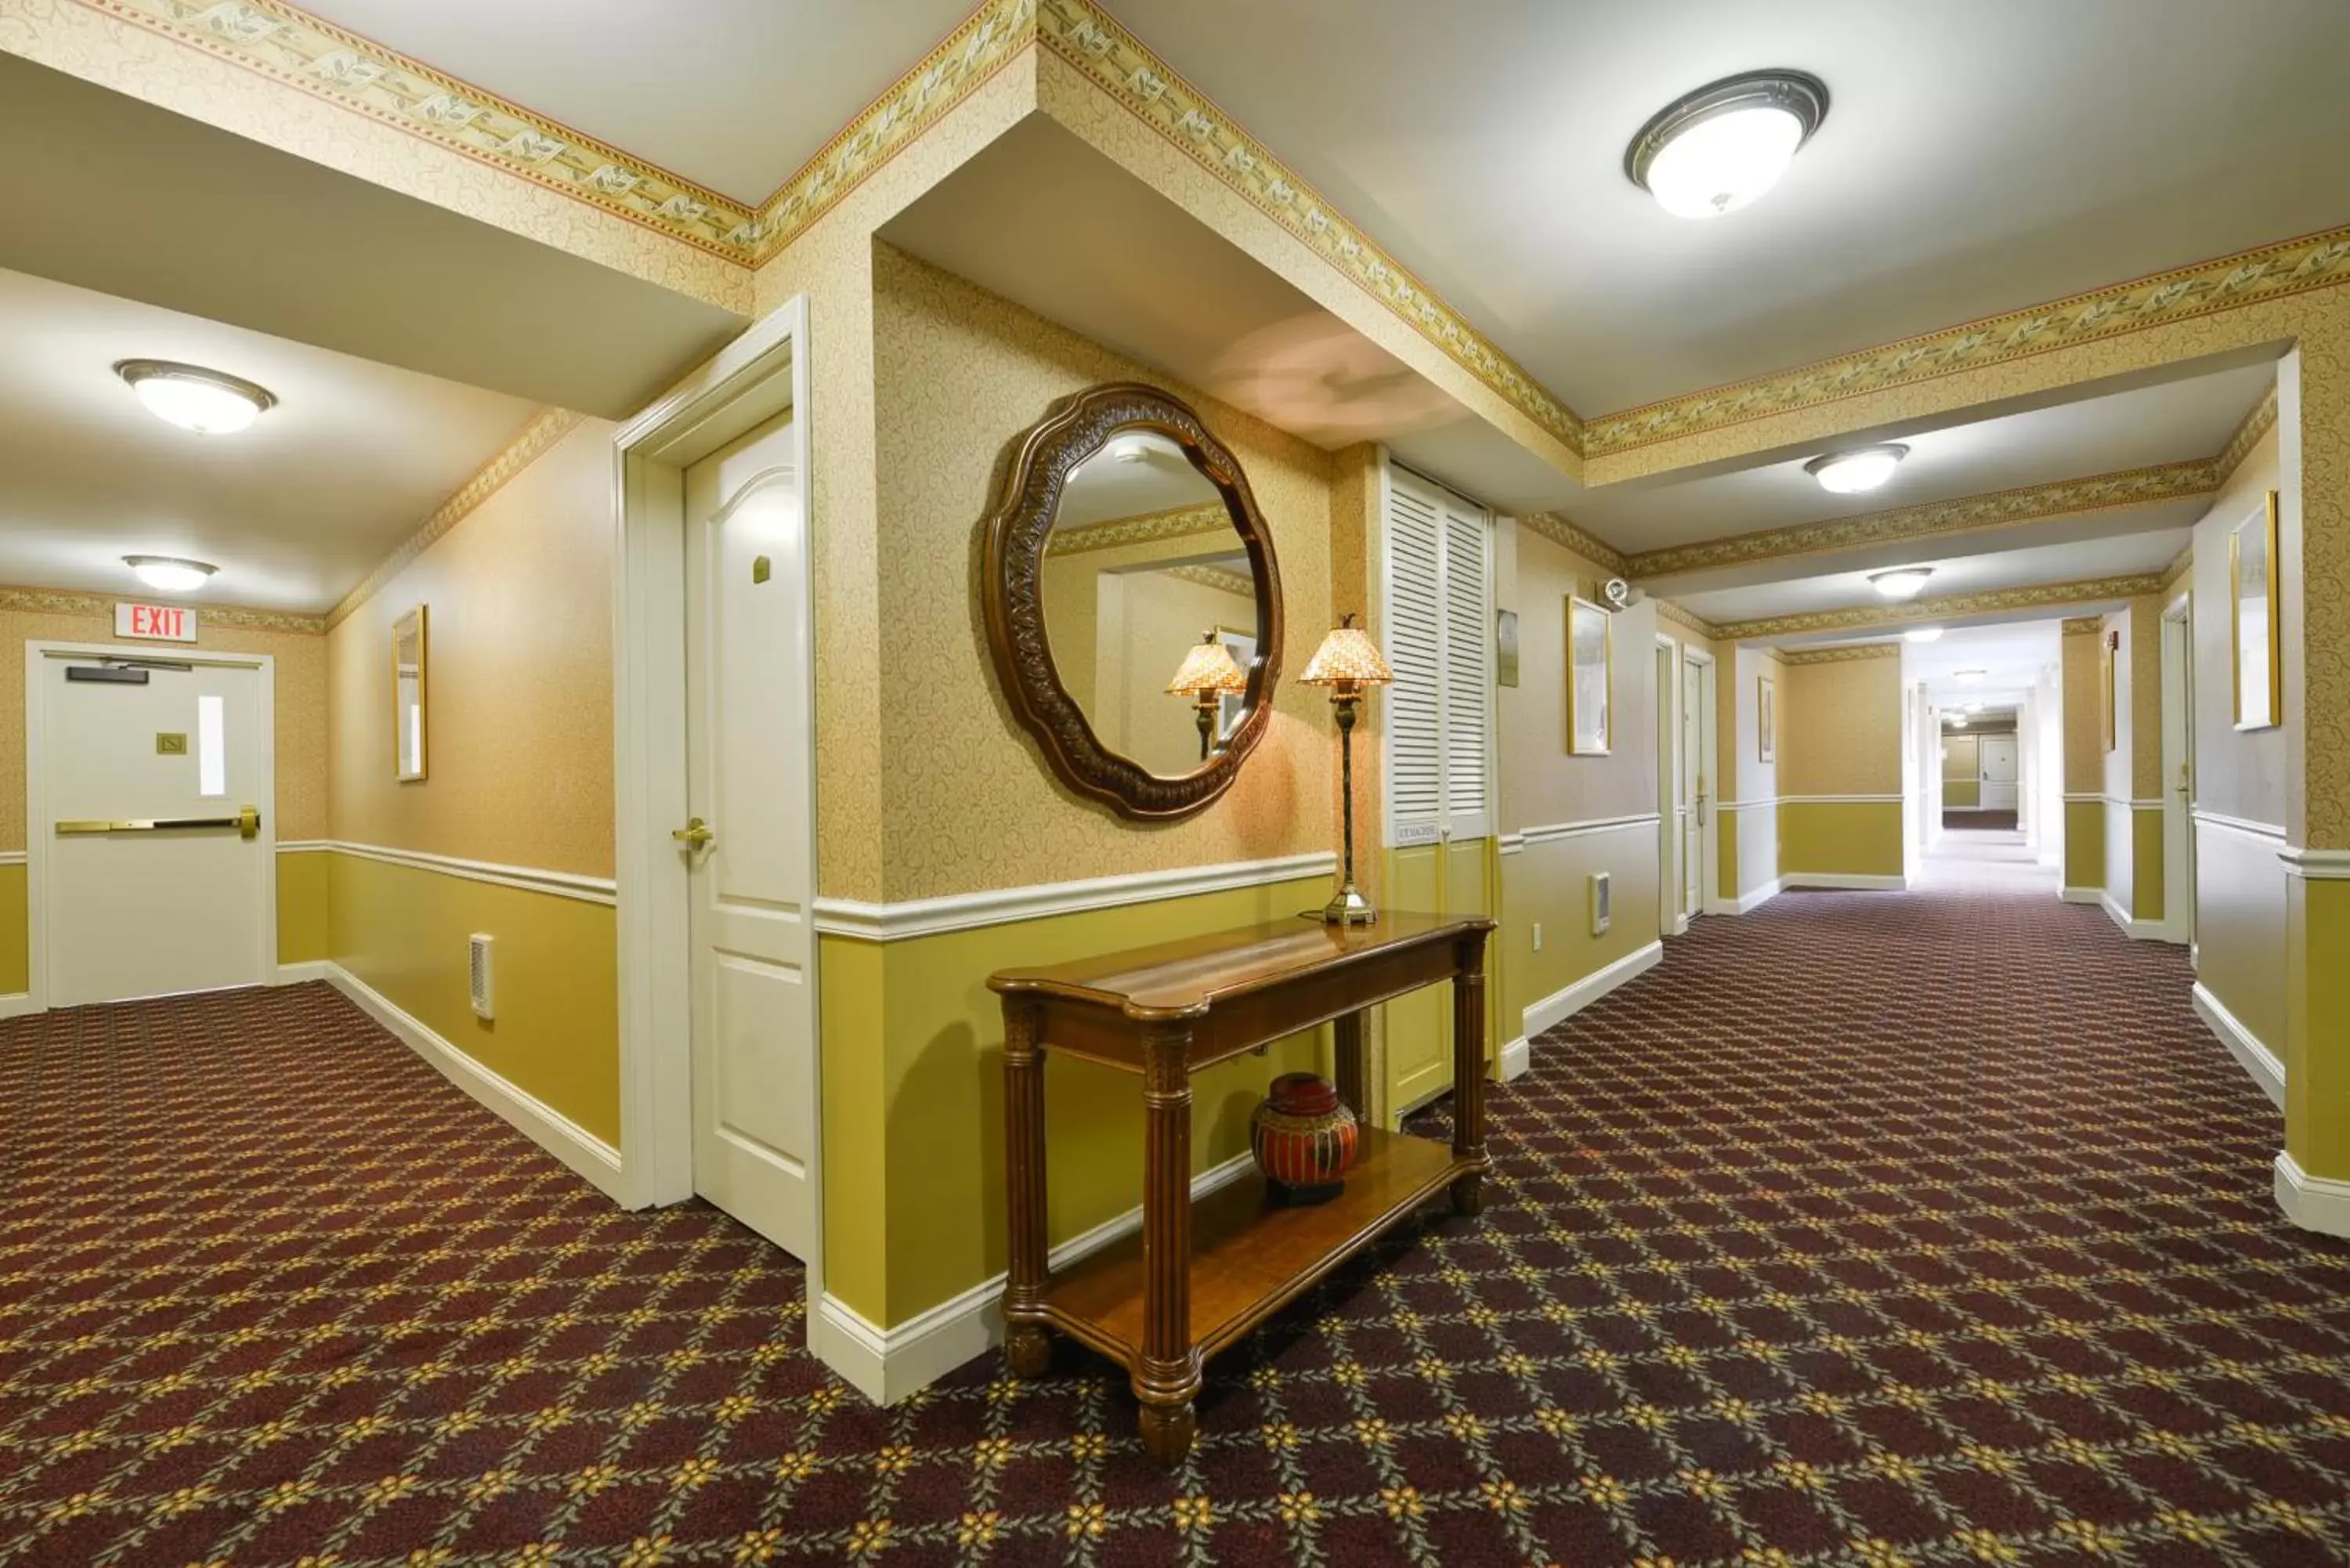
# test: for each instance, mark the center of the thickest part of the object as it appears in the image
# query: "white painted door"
(1697, 777)
(125, 910)
(748, 733)
(1999, 772)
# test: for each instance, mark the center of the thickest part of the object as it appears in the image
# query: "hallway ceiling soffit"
(1948, 607)
(306, 54)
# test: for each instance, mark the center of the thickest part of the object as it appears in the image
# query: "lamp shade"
(1347, 657)
(1209, 667)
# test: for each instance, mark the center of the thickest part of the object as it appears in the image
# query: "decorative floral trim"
(1142, 529)
(1998, 509)
(2258, 423)
(1668, 610)
(60, 601)
(1572, 536)
(2177, 568)
(545, 427)
(1841, 655)
(2248, 277)
(2084, 625)
(1216, 577)
(2036, 596)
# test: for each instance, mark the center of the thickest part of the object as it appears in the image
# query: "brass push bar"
(247, 822)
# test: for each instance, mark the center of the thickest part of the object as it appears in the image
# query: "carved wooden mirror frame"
(1011, 576)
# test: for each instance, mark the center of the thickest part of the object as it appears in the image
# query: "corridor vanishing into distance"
(1869, 1228)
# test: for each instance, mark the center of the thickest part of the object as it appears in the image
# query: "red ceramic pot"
(1303, 1138)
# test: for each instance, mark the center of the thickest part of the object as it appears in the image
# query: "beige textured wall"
(301, 700)
(1840, 728)
(1540, 781)
(519, 678)
(2085, 754)
(967, 801)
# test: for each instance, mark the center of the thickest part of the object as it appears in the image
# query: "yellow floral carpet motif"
(1867, 1230)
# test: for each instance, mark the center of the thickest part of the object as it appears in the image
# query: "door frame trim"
(756, 376)
(36, 848)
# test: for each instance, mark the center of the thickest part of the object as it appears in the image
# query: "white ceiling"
(2009, 658)
(2065, 563)
(1979, 156)
(1104, 487)
(732, 94)
(294, 511)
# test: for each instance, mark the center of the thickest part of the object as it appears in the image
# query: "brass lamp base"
(1348, 907)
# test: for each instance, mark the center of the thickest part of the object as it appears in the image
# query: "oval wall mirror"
(1133, 605)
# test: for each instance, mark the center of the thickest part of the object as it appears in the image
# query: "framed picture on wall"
(2253, 635)
(1506, 647)
(1590, 657)
(2109, 654)
(408, 696)
(1766, 719)
(1232, 707)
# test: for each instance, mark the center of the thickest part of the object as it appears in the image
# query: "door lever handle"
(694, 834)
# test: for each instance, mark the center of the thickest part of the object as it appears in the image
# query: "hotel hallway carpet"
(1869, 1228)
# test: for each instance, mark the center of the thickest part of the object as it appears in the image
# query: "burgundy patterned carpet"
(1868, 1230)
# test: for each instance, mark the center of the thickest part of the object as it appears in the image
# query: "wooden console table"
(1198, 1277)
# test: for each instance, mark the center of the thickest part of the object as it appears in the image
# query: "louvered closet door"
(1436, 619)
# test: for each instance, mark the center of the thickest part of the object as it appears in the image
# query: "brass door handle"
(247, 823)
(694, 834)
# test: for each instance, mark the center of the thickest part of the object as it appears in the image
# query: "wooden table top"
(1186, 978)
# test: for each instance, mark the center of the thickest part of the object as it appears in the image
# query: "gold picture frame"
(2255, 640)
(2109, 657)
(1590, 678)
(1766, 719)
(409, 697)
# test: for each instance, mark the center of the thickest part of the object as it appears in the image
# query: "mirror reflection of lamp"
(1207, 675)
(1347, 662)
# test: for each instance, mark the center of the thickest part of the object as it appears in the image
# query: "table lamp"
(1346, 662)
(1207, 675)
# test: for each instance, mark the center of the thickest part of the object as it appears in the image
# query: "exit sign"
(155, 623)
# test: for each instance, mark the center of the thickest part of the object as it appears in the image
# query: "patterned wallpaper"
(1840, 727)
(968, 802)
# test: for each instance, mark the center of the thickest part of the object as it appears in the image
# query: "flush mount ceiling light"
(1971, 677)
(1130, 449)
(169, 574)
(1723, 145)
(209, 402)
(1863, 468)
(1901, 582)
(1924, 634)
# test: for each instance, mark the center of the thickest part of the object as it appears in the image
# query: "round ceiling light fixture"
(1718, 149)
(1901, 582)
(1923, 634)
(171, 574)
(209, 402)
(1863, 468)
(1972, 676)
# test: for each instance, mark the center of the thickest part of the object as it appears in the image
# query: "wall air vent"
(478, 975)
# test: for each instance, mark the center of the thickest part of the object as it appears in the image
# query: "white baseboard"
(885, 1365)
(1681, 926)
(300, 973)
(1564, 1004)
(1851, 883)
(1752, 900)
(541, 1123)
(2082, 895)
(2136, 930)
(2258, 1060)
(17, 1005)
(1516, 1057)
(2317, 1203)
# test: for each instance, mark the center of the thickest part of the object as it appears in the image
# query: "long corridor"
(1869, 1228)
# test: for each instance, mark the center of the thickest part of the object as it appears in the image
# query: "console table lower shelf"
(1200, 1276)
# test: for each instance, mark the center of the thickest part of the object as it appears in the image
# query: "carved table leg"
(1469, 1074)
(1347, 1034)
(1026, 1344)
(1168, 1374)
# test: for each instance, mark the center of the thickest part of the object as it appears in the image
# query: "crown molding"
(1140, 529)
(1216, 577)
(1668, 610)
(2037, 596)
(314, 56)
(1843, 655)
(543, 430)
(1576, 540)
(1964, 514)
(2224, 282)
(2084, 625)
(1118, 64)
(2177, 569)
(60, 601)
(2258, 423)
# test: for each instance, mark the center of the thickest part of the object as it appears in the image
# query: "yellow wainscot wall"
(304, 931)
(13, 952)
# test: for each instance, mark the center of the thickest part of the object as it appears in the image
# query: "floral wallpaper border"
(2035, 596)
(60, 601)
